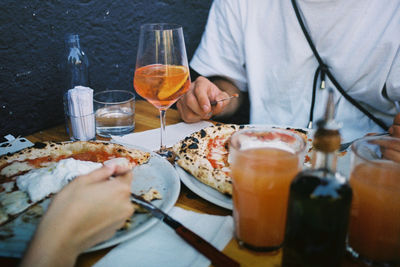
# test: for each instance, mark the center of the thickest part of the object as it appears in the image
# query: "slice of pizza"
(204, 154)
(32, 174)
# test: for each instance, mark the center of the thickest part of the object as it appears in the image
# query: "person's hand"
(195, 104)
(391, 149)
(394, 130)
(87, 211)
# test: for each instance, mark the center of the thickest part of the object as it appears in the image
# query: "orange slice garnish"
(175, 78)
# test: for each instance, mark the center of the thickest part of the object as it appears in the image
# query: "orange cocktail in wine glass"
(162, 73)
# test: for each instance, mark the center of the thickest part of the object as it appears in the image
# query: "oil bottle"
(319, 203)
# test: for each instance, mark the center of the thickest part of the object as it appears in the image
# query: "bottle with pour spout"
(77, 63)
(319, 203)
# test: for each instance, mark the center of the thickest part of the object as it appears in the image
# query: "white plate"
(157, 173)
(213, 195)
(203, 190)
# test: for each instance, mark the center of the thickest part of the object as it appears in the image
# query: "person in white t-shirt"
(258, 47)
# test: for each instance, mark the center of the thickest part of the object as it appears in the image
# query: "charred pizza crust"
(204, 154)
(43, 153)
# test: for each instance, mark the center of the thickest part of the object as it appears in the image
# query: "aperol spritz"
(162, 72)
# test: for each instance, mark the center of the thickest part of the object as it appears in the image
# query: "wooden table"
(147, 117)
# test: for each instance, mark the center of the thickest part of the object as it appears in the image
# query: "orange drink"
(263, 163)
(162, 72)
(160, 84)
(374, 230)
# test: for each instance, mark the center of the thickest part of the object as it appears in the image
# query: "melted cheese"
(39, 183)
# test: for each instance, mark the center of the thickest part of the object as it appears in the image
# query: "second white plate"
(203, 190)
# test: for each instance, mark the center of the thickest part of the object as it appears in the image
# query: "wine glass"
(162, 73)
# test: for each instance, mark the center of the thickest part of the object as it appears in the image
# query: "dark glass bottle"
(77, 63)
(319, 204)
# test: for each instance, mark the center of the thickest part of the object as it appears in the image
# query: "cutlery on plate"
(213, 103)
(345, 146)
(217, 257)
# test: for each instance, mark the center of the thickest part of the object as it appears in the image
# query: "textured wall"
(32, 50)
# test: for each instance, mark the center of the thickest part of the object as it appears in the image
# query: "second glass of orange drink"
(374, 230)
(162, 73)
(263, 161)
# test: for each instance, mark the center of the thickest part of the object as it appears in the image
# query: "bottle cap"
(71, 38)
(327, 137)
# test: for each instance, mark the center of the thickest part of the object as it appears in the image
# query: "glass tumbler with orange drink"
(374, 229)
(162, 73)
(263, 163)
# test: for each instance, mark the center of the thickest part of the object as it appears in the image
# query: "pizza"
(204, 154)
(23, 173)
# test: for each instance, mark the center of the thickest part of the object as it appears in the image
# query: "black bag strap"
(324, 69)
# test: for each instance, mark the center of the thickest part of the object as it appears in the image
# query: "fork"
(345, 146)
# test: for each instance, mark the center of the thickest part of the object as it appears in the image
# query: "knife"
(217, 257)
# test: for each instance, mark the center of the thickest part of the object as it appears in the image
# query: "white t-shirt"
(259, 45)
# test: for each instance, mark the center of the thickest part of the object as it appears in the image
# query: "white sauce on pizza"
(39, 183)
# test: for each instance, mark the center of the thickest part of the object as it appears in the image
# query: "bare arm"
(87, 211)
(195, 105)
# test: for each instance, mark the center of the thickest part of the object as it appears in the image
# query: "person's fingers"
(186, 112)
(126, 176)
(395, 131)
(122, 169)
(388, 144)
(220, 106)
(390, 149)
(189, 106)
(391, 154)
(100, 174)
(396, 120)
(192, 101)
(196, 104)
(205, 91)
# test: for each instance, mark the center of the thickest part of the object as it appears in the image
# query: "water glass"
(374, 229)
(264, 161)
(80, 128)
(114, 112)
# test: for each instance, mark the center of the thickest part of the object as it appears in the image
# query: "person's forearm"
(48, 249)
(230, 88)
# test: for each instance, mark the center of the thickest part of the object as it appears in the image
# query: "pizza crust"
(13, 164)
(194, 153)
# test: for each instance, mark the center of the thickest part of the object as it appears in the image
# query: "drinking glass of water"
(114, 112)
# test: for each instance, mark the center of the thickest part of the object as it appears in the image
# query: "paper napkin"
(14, 144)
(151, 139)
(80, 108)
(161, 246)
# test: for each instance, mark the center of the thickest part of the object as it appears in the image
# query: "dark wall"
(32, 50)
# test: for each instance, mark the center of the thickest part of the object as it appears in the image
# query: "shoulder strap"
(323, 69)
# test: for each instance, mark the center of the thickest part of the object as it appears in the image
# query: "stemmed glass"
(162, 73)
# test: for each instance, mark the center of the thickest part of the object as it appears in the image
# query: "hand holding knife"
(217, 257)
(213, 103)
